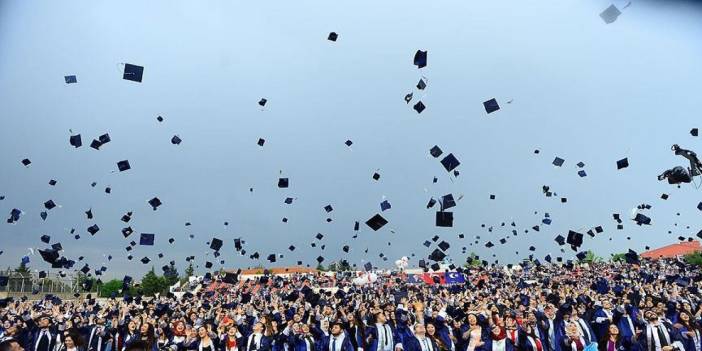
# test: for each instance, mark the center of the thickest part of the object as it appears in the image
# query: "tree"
(190, 270)
(472, 261)
(171, 275)
(590, 257)
(619, 257)
(152, 284)
(112, 286)
(343, 266)
(320, 267)
(694, 258)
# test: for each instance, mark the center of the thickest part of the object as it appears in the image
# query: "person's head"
(259, 327)
(144, 329)
(613, 330)
(420, 329)
(472, 319)
(651, 315)
(684, 317)
(305, 328)
(68, 340)
(431, 329)
(44, 322)
(336, 329)
(10, 345)
(510, 321)
(131, 326)
(232, 330)
(202, 332)
(179, 326)
(380, 317)
(606, 304)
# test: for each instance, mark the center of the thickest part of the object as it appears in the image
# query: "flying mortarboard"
(450, 162)
(70, 79)
(283, 182)
(176, 140)
(216, 244)
(155, 203)
(420, 59)
(123, 165)
(332, 36)
(419, 107)
(491, 106)
(75, 141)
(133, 72)
(93, 229)
(610, 14)
(623, 163)
(146, 239)
(376, 222)
(444, 219)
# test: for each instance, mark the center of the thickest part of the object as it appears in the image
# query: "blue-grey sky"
(582, 90)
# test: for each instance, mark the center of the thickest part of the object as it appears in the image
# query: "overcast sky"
(580, 89)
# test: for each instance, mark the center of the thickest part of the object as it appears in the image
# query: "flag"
(413, 279)
(454, 278)
(426, 278)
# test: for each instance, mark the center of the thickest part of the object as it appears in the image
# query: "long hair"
(150, 337)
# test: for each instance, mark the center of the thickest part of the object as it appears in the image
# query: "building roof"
(277, 270)
(673, 250)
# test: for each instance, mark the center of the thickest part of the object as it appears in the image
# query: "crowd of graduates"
(648, 306)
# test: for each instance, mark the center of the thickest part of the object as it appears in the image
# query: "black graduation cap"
(435, 151)
(450, 162)
(72, 79)
(3, 282)
(123, 165)
(45, 239)
(328, 208)
(368, 266)
(345, 248)
(127, 217)
(348, 143)
(664, 196)
(133, 72)
(558, 161)
(332, 36)
(444, 245)
(420, 59)
(356, 226)
(146, 239)
(288, 200)
(145, 260)
(599, 229)
(320, 259)
(431, 203)
(159, 118)
(49, 204)
(319, 236)
(574, 238)
(444, 219)
(623, 163)
(408, 97)
(208, 264)
(642, 219)
(49, 255)
(171, 240)
(26, 162)
(581, 255)
(127, 231)
(491, 106)
(57, 246)
(376, 222)
(283, 182)
(447, 202)
(503, 241)
(93, 229)
(421, 85)
(52, 182)
(75, 141)
(176, 140)
(492, 196)
(489, 244)
(560, 240)
(376, 176)
(631, 257)
(155, 203)
(419, 107)
(262, 102)
(216, 244)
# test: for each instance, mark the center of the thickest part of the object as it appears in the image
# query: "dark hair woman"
(614, 341)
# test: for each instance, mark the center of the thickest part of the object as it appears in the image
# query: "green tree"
(190, 270)
(112, 286)
(343, 266)
(590, 257)
(694, 258)
(171, 275)
(618, 257)
(152, 284)
(320, 267)
(472, 260)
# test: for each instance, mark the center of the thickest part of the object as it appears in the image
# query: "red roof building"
(673, 250)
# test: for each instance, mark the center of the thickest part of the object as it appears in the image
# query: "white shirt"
(41, 335)
(339, 341)
(425, 344)
(383, 331)
(256, 338)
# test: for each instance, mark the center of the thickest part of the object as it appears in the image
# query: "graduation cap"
(127, 217)
(581, 255)
(368, 266)
(558, 161)
(574, 238)
(419, 107)
(123, 165)
(155, 203)
(408, 97)
(435, 151)
(664, 196)
(288, 200)
(261, 142)
(444, 245)
(345, 248)
(623, 163)
(145, 260)
(127, 231)
(14, 215)
(631, 257)
(328, 208)
(176, 140)
(283, 182)
(348, 143)
(159, 118)
(431, 203)
(420, 59)
(45, 239)
(491, 106)
(146, 239)
(332, 36)
(376, 222)
(93, 229)
(582, 173)
(320, 259)
(26, 162)
(560, 240)
(48, 255)
(49, 204)
(75, 141)
(450, 162)
(489, 244)
(503, 241)
(447, 202)
(694, 132)
(444, 219)
(641, 219)
(216, 244)
(262, 102)
(72, 79)
(133, 72)
(610, 14)
(57, 247)
(385, 205)
(421, 85)
(376, 176)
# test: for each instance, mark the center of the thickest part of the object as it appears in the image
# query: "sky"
(580, 89)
